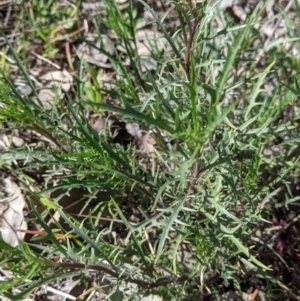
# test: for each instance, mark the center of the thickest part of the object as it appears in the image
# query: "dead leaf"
(143, 139)
(150, 37)
(60, 79)
(4, 142)
(98, 123)
(124, 133)
(47, 97)
(92, 6)
(148, 63)
(55, 83)
(228, 3)
(22, 86)
(44, 233)
(11, 214)
(250, 297)
(147, 143)
(92, 55)
(133, 129)
(147, 41)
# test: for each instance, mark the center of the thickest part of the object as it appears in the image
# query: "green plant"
(198, 196)
(50, 21)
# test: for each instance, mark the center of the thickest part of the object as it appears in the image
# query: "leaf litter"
(93, 55)
(12, 213)
(124, 133)
(54, 85)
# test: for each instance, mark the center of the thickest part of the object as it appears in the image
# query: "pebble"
(17, 141)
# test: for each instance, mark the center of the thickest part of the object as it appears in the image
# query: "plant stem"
(188, 50)
(195, 176)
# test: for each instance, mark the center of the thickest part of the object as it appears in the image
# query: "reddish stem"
(187, 61)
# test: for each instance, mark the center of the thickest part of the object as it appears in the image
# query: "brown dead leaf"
(98, 123)
(44, 233)
(143, 139)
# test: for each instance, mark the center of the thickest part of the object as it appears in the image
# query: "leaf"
(241, 248)
(168, 223)
(84, 236)
(256, 90)
(232, 52)
(128, 111)
(220, 208)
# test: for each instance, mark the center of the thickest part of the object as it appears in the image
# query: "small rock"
(17, 141)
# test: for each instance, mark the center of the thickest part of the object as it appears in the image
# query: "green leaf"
(128, 111)
(256, 90)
